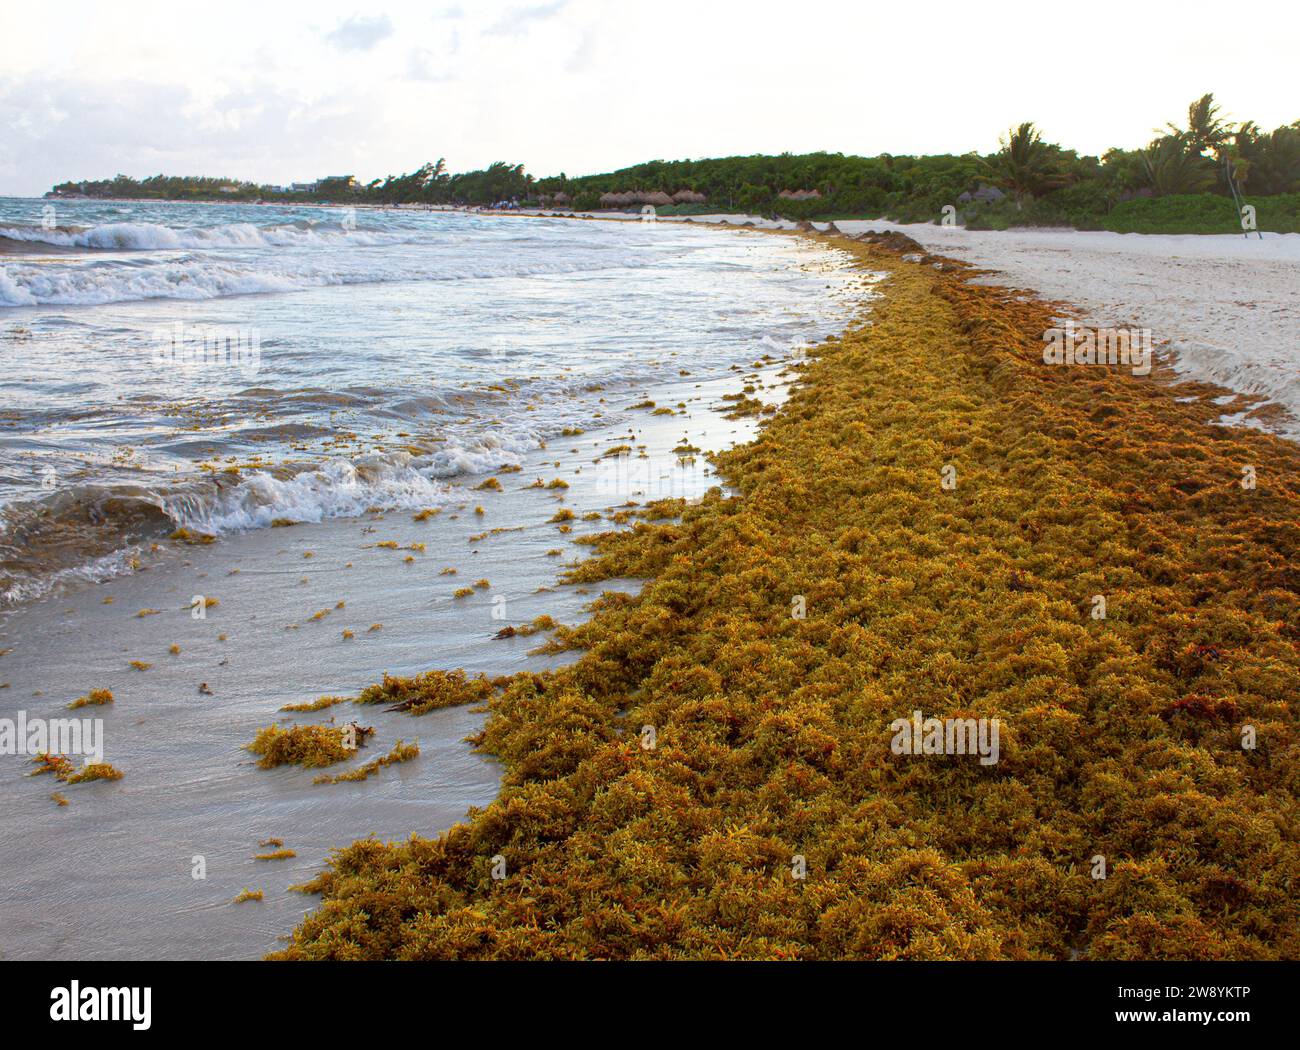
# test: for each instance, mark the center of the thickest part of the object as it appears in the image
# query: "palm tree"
(1025, 164)
(1267, 163)
(1171, 165)
(1205, 130)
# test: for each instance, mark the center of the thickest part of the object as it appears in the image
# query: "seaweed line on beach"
(1121, 737)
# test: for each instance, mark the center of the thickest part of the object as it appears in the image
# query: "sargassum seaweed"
(1122, 736)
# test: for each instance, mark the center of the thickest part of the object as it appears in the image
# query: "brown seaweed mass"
(1121, 737)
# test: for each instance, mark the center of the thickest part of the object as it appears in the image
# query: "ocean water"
(226, 367)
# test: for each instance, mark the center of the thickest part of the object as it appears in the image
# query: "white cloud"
(519, 20)
(67, 128)
(422, 64)
(359, 33)
(264, 92)
(584, 54)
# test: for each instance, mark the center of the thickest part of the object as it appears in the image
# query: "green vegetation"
(1027, 181)
(1203, 213)
(429, 184)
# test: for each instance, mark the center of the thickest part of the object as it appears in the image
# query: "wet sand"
(111, 874)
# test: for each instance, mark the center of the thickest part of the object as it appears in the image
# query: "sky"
(284, 91)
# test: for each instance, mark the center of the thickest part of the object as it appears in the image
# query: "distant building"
(303, 187)
(983, 195)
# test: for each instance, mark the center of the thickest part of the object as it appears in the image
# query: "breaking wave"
(90, 283)
(90, 531)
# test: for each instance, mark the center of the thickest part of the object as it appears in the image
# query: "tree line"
(1201, 163)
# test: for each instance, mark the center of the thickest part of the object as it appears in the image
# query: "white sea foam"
(404, 349)
(148, 236)
(90, 284)
(337, 488)
(12, 293)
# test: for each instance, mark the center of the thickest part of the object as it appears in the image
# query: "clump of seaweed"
(60, 765)
(248, 895)
(316, 705)
(93, 771)
(279, 854)
(427, 691)
(541, 623)
(310, 746)
(401, 752)
(185, 535)
(490, 484)
(94, 698)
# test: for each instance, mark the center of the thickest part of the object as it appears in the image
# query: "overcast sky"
(256, 91)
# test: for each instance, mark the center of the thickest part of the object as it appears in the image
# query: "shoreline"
(1206, 314)
(188, 787)
(591, 746)
(1220, 303)
(772, 750)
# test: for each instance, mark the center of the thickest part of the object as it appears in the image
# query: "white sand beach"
(1223, 306)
